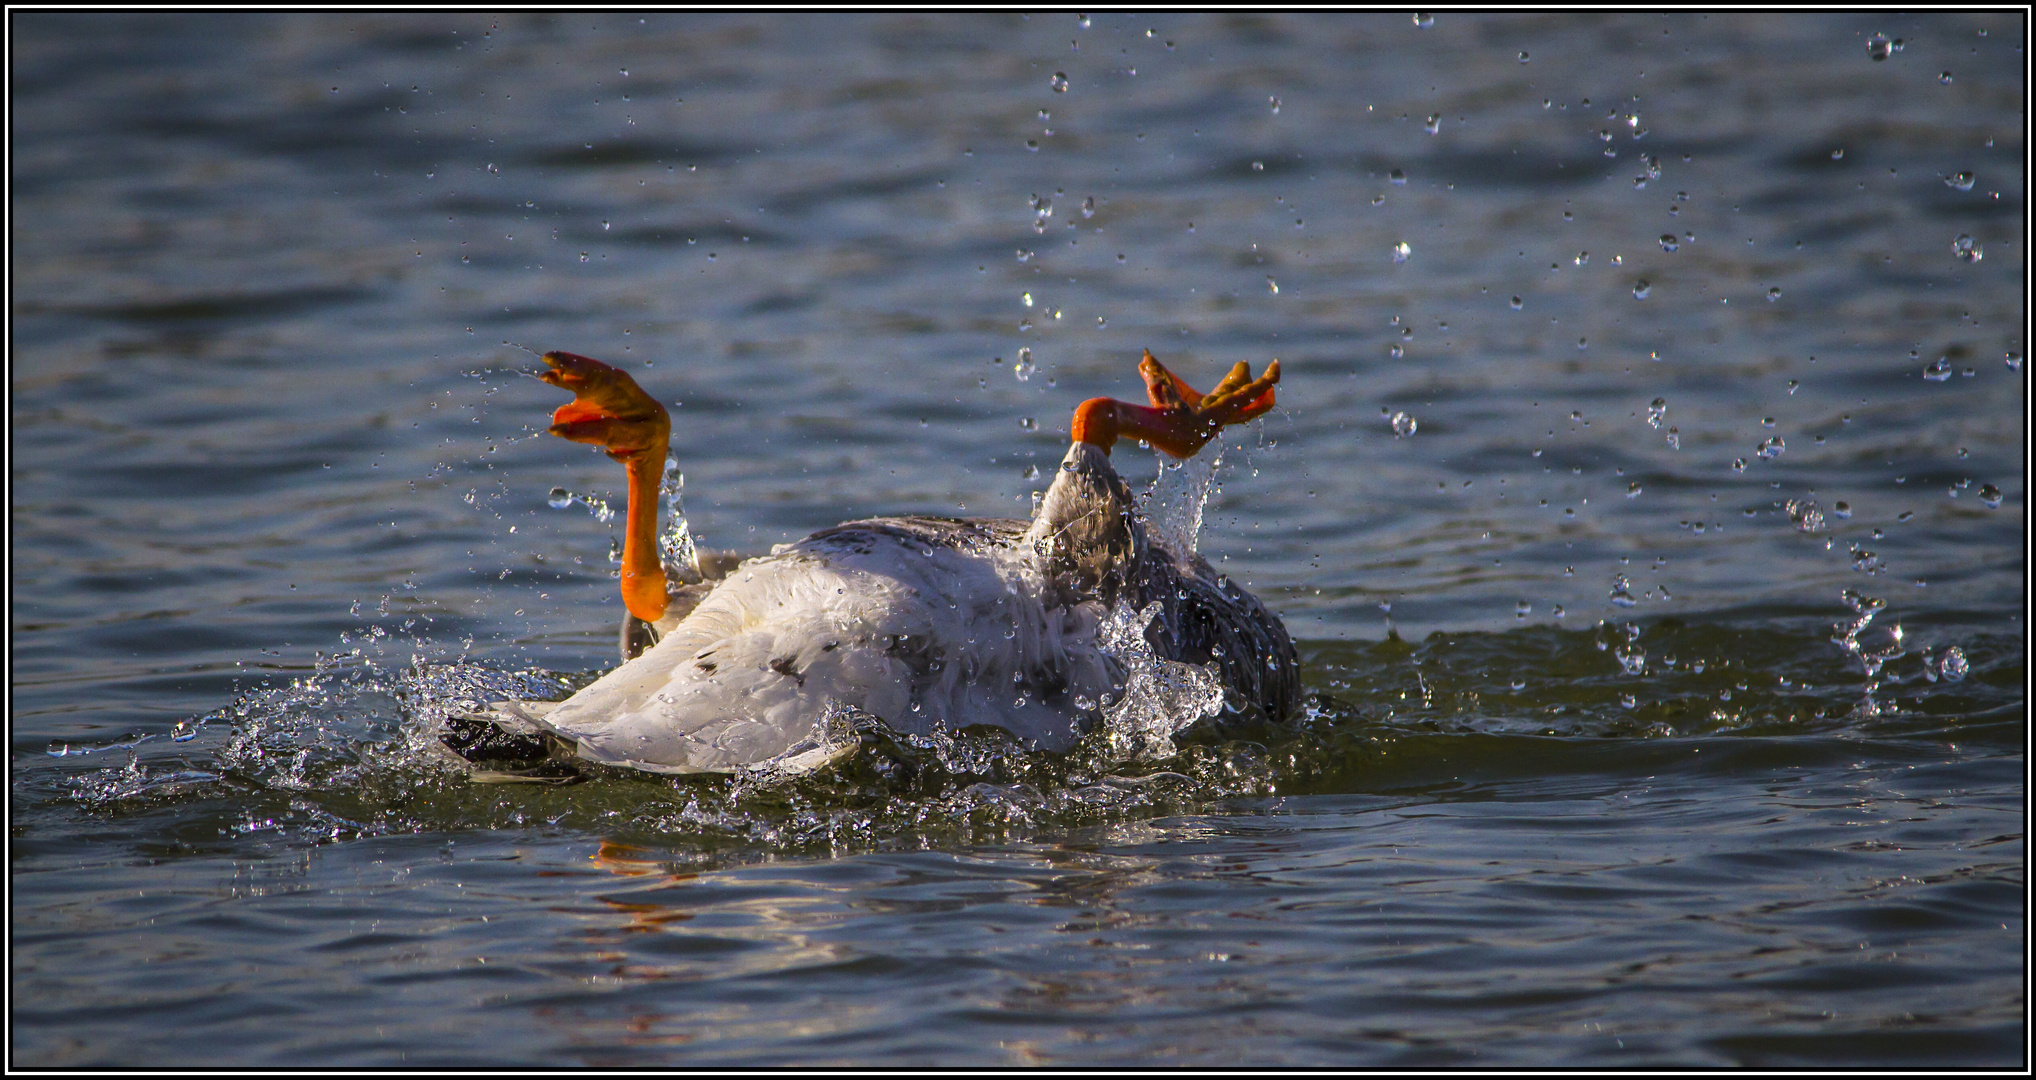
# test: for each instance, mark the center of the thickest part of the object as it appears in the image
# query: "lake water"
(1630, 362)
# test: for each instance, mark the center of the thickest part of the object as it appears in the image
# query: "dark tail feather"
(504, 750)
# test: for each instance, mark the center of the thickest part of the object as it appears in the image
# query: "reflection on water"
(1656, 379)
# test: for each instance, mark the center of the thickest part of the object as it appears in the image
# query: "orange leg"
(1179, 421)
(610, 411)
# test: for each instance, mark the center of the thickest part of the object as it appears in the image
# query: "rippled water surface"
(1647, 496)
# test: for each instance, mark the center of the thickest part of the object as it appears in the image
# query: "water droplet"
(1403, 425)
(1397, 177)
(1838, 154)
(1878, 48)
(1275, 103)
(1521, 610)
(1965, 248)
(1423, 20)
(1656, 410)
(1952, 666)
(1023, 366)
(1805, 514)
(1089, 207)
(1583, 257)
(1944, 77)
(1434, 124)
(1523, 56)
(1401, 251)
(604, 226)
(1622, 595)
(1990, 496)
(1059, 82)
(1771, 449)
(1271, 284)
(2013, 360)
(1641, 288)
(560, 498)
(1398, 350)
(1739, 465)
(1029, 424)
(1962, 181)
(1516, 303)
(1939, 371)
(1668, 242)
(1031, 472)
(1773, 295)
(1633, 490)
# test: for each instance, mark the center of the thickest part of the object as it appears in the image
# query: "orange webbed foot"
(1180, 420)
(608, 409)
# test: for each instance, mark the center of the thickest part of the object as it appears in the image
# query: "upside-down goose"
(917, 621)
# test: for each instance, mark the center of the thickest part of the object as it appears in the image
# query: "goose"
(914, 620)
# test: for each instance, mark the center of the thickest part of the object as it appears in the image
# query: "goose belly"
(912, 630)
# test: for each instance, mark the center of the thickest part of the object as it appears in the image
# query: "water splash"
(675, 545)
(562, 498)
(1172, 503)
(1161, 698)
(1871, 661)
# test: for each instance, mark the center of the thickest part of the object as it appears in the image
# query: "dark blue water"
(1631, 363)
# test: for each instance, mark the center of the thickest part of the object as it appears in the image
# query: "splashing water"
(562, 498)
(1870, 660)
(1161, 698)
(675, 547)
(1172, 503)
